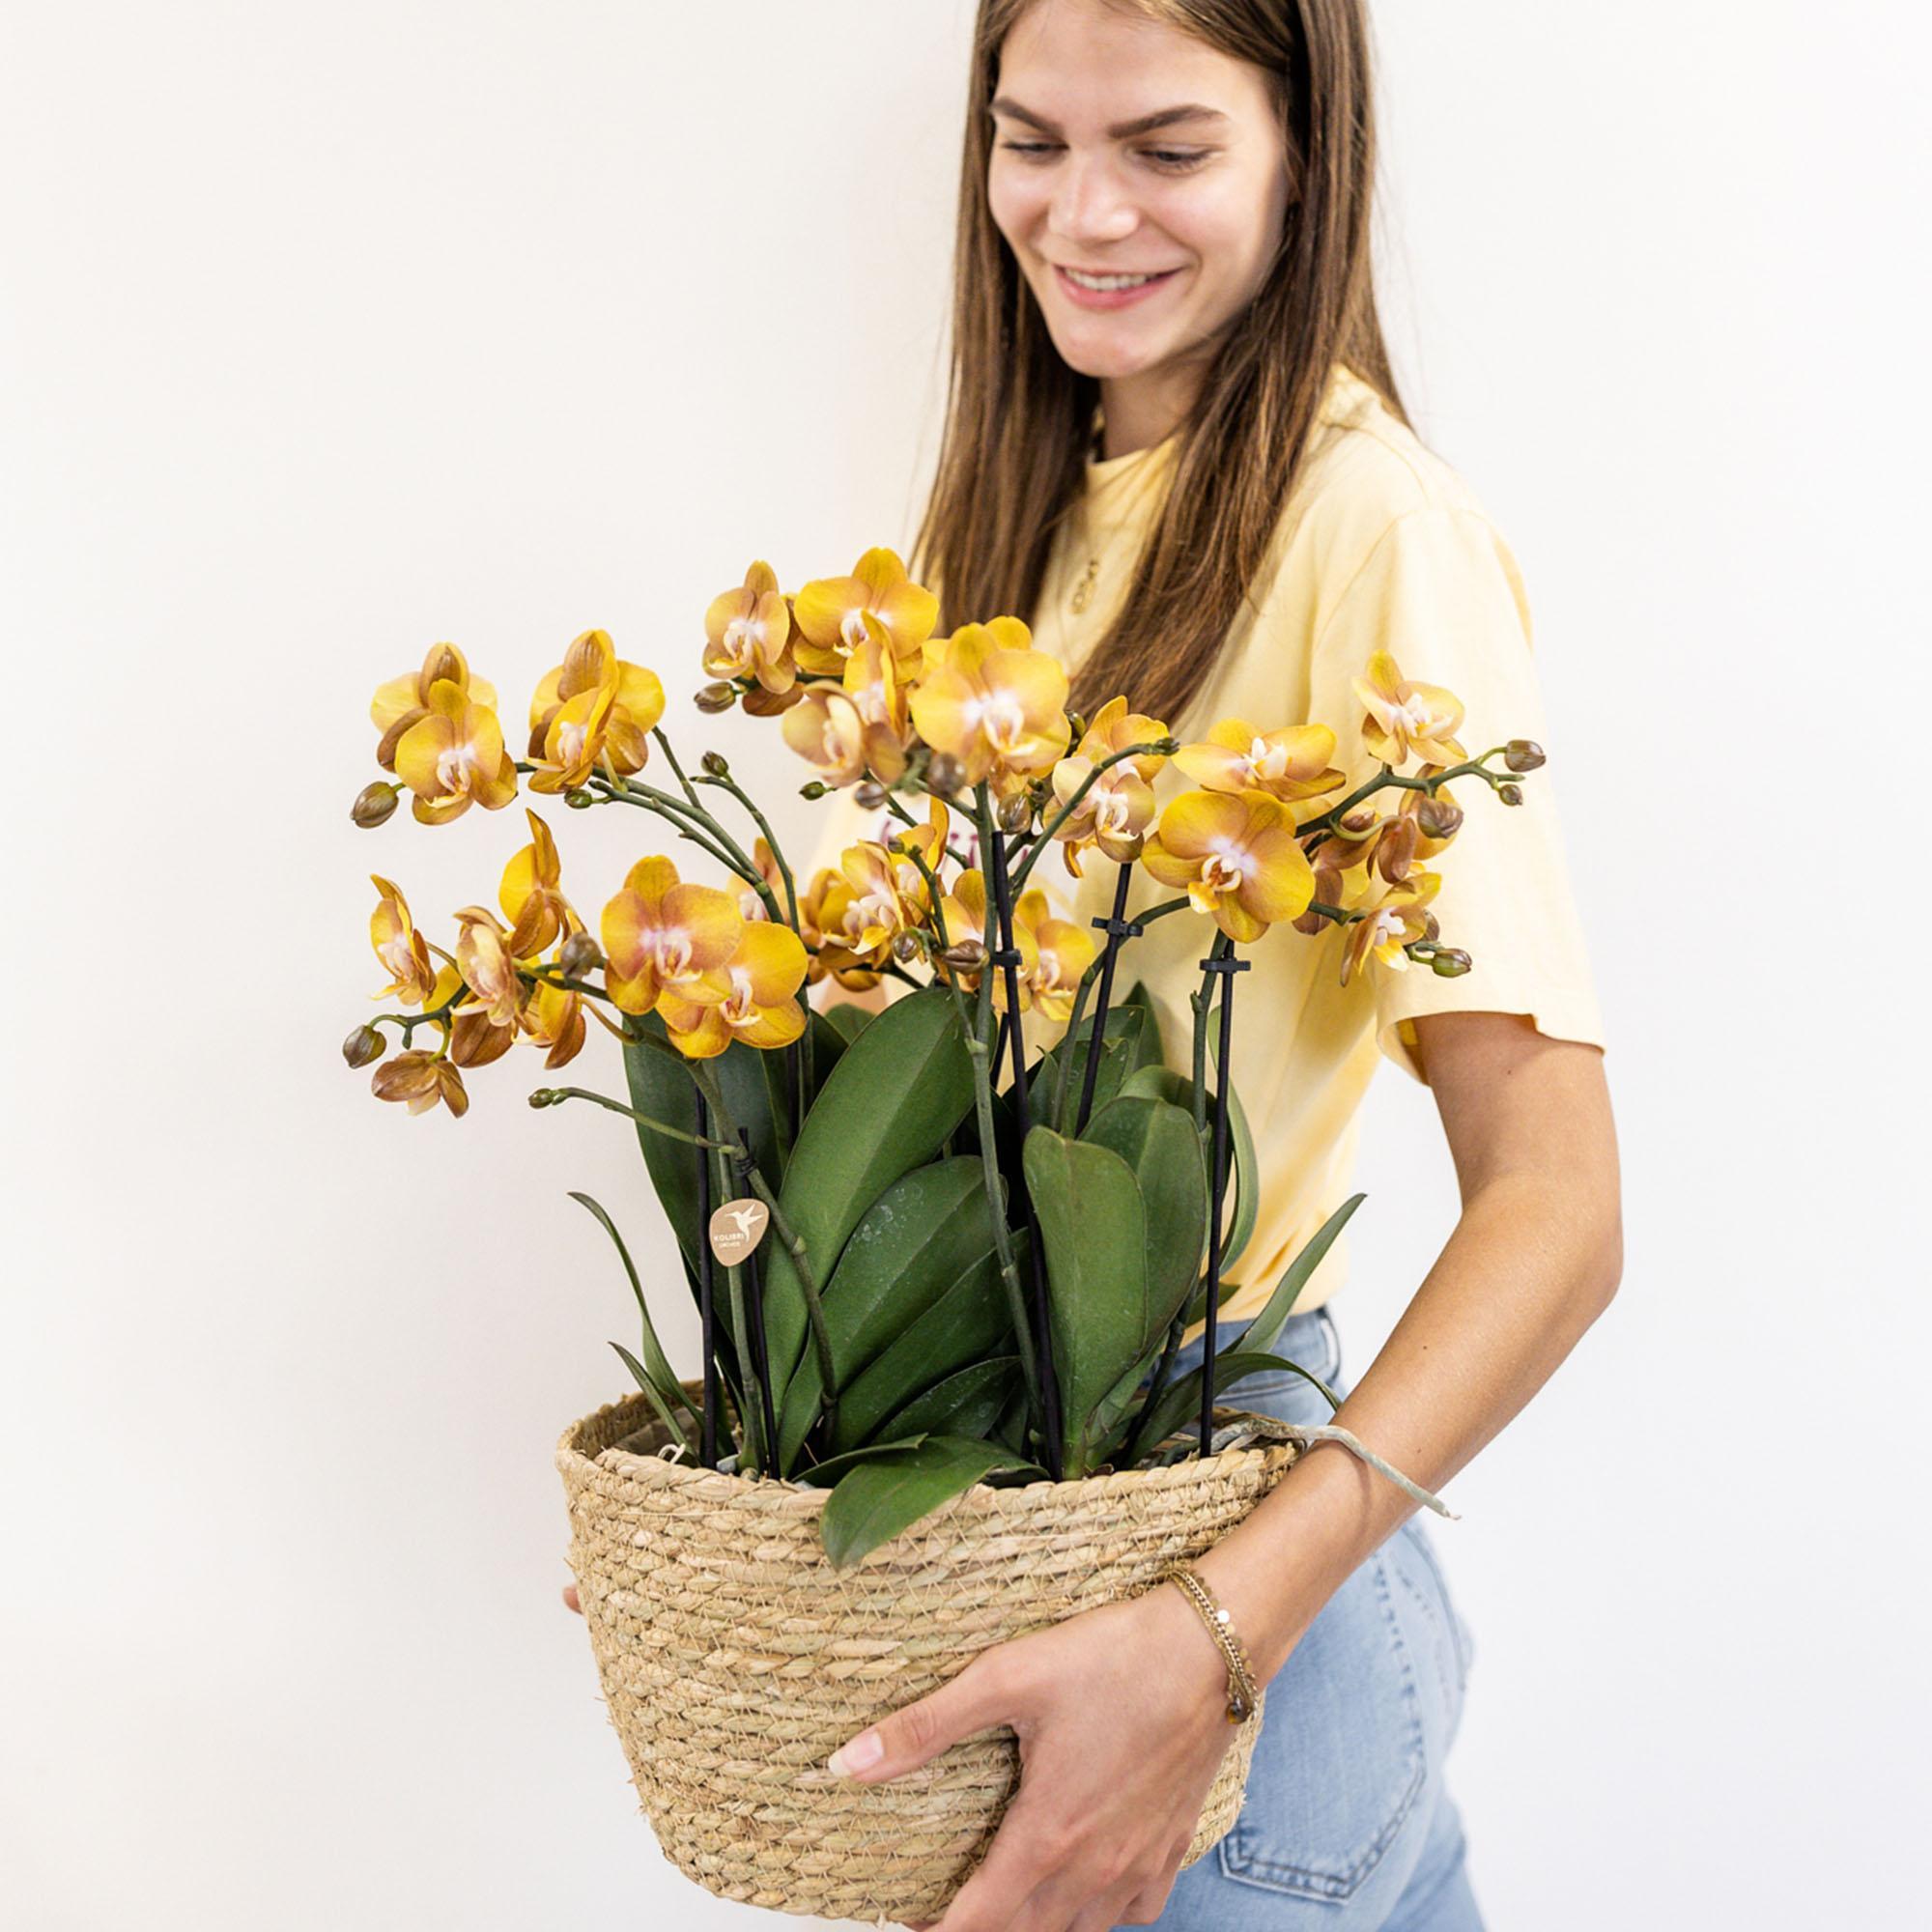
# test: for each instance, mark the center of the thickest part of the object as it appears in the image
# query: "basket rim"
(808, 1499)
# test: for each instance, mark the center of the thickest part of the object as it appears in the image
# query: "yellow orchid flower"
(831, 614)
(660, 934)
(888, 895)
(531, 894)
(400, 946)
(420, 1080)
(476, 1039)
(1289, 764)
(1236, 855)
(1396, 916)
(751, 902)
(1405, 717)
(748, 632)
(403, 700)
(861, 727)
(553, 1016)
(927, 840)
(830, 915)
(749, 998)
(1060, 953)
(592, 709)
(487, 966)
(452, 756)
(994, 704)
(1120, 804)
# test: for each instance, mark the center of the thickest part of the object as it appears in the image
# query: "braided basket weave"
(734, 1658)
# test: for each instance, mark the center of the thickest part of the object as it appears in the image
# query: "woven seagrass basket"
(734, 1658)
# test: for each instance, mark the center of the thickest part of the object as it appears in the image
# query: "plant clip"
(1227, 964)
(1005, 955)
(1118, 928)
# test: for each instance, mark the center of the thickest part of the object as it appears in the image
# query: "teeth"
(1108, 281)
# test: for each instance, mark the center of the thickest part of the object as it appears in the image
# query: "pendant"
(1083, 591)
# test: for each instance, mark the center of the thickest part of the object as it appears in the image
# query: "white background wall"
(329, 332)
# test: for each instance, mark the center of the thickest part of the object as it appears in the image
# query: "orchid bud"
(580, 800)
(1440, 817)
(1432, 926)
(1360, 820)
(1523, 754)
(544, 1096)
(373, 803)
(1076, 728)
(966, 956)
(906, 947)
(716, 696)
(870, 793)
(1451, 963)
(714, 763)
(945, 774)
(579, 955)
(813, 788)
(1015, 814)
(1396, 850)
(363, 1045)
(1510, 794)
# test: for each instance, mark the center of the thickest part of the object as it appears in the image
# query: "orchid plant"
(980, 1264)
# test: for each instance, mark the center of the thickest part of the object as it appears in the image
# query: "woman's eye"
(1176, 158)
(1028, 146)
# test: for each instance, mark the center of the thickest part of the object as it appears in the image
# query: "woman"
(1164, 246)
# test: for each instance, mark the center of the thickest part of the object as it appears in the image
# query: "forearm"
(1526, 1272)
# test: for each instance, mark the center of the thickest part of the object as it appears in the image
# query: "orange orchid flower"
(661, 934)
(1405, 717)
(420, 1080)
(992, 701)
(1119, 806)
(831, 614)
(452, 756)
(1289, 764)
(403, 700)
(403, 950)
(748, 632)
(1236, 855)
(749, 998)
(592, 710)
(1396, 917)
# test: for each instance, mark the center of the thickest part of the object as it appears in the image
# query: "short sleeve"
(1441, 593)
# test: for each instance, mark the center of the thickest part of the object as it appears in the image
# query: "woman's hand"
(1121, 1717)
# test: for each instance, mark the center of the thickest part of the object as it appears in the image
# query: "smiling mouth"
(1105, 284)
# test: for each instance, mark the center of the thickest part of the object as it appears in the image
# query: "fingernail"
(857, 1754)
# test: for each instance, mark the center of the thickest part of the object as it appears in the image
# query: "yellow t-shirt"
(1382, 546)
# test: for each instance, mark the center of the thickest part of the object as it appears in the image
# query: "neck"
(1143, 410)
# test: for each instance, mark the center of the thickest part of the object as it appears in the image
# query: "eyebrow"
(1121, 130)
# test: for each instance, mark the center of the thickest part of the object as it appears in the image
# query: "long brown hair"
(1012, 461)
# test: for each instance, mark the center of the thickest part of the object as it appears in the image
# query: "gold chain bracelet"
(1243, 1696)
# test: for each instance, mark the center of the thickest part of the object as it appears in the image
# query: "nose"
(1088, 205)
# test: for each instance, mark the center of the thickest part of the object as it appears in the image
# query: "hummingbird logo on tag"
(737, 1228)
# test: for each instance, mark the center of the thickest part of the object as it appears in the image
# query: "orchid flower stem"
(670, 757)
(1122, 880)
(707, 1317)
(765, 824)
(993, 845)
(1222, 957)
(755, 1296)
(556, 1095)
(1063, 1068)
(972, 1027)
(814, 1310)
(1387, 777)
(1159, 748)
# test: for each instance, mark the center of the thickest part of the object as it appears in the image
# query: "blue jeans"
(1347, 1825)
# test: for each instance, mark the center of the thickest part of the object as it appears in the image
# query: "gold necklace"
(1083, 591)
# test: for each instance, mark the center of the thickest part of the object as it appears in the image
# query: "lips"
(1108, 298)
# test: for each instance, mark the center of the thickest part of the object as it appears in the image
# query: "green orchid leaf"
(658, 1398)
(823, 1475)
(1180, 1404)
(655, 1358)
(889, 1493)
(1092, 1225)
(887, 1106)
(968, 1322)
(914, 1242)
(1157, 1141)
(970, 1401)
(1244, 1170)
(1264, 1331)
(847, 1019)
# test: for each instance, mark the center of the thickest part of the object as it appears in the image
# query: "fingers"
(980, 1697)
(570, 1599)
(1146, 1907)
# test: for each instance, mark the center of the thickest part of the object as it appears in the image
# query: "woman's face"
(1198, 203)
